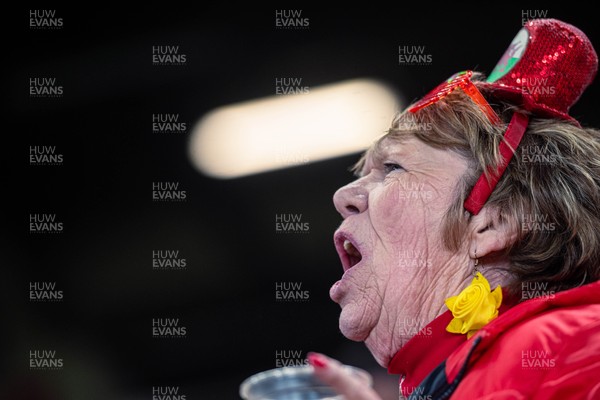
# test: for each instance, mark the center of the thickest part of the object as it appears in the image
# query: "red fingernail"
(316, 360)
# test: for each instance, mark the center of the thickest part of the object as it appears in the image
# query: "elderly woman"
(471, 238)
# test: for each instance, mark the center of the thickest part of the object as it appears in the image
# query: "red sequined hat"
(545, 69)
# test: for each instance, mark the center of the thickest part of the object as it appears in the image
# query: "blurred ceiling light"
(287, 130)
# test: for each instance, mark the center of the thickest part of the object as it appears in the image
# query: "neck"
(399, 325)
(441, 283)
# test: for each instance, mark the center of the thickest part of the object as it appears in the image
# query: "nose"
(351, 199)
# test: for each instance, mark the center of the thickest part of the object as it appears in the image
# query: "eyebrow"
(358, 167)
(372, 154)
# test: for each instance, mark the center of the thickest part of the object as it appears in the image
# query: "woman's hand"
(353, 386)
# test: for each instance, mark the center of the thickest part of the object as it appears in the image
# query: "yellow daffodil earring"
(475, 306)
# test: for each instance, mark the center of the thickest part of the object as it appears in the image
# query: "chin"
(382, 356)
(352, 332)
(352, 328)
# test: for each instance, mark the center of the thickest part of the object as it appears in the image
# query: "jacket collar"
(426, 350)
(423, 352)
(433, 344)
(583, 295)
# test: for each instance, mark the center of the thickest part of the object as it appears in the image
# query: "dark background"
(225, 229)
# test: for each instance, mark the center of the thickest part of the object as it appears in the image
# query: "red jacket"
(544, 348)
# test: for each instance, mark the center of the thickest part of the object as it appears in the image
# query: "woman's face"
(397, 272)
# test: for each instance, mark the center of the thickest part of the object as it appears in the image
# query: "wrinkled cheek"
(397, 211)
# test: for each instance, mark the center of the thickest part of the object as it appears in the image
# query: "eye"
(391, 167)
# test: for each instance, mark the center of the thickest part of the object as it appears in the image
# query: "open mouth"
(348, 252)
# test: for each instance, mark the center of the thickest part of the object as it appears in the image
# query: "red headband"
(484, 187)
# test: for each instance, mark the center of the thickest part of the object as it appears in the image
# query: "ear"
(490, 232)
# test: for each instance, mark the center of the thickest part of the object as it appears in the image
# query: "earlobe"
(490, 232)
